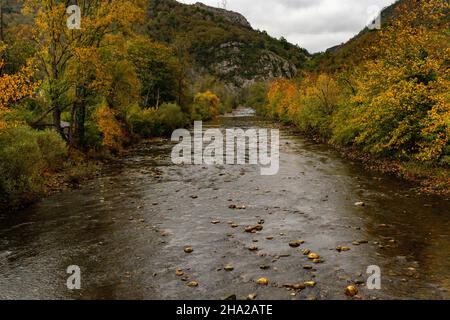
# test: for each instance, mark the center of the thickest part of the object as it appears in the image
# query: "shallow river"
(127, 229)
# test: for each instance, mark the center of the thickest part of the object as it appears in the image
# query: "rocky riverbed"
(148, 229)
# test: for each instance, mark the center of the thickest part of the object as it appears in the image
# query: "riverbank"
(79, 168)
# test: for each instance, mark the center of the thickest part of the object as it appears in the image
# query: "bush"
(206, 106)
(25, 155)
(257, 97)
(143, 122)
(171, 118)
(93, 136)
(53, 149)
(153, 122)
(21, 164)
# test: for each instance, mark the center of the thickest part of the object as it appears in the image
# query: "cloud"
(312, 24)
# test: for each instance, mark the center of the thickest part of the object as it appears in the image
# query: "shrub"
(21, 164)
(53, 149)
(171, 118)
(206, 106)
(257, 97)
(143, 122)
(93, 136)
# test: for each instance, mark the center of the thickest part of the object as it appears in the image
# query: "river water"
(127, 229)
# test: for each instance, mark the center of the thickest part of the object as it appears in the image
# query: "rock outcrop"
(231, 16)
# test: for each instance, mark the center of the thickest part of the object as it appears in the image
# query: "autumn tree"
(58, 46)
(14, 87)
(158, 70)
(206, 105)
(402, 101)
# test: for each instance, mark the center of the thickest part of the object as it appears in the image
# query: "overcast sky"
(312, 24)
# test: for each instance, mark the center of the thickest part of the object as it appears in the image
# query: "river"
(127, 229)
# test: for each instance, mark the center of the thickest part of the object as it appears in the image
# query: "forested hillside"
(223, 44)
(385, 92)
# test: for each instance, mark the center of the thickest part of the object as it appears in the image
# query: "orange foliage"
(282, 99)
(110, 128)
(14, 87)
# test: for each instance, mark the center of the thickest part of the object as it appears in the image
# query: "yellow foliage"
(110, 128)
(14, 87)
(207, 104)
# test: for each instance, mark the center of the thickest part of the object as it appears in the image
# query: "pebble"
(351, 291)
(188, 250)
(179, 272)
(192, 284)
(228, 267)
(313, 256)
(296, 243)
(263, 281)
(252, 296)
(342, 248)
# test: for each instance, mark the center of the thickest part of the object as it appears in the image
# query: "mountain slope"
(352, 52)
(222, 43)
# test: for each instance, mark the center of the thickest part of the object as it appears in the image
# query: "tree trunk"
(80, 129)
(79, 118)
(157, 99)
(57, 121)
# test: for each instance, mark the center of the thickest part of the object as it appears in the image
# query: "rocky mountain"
(223, 43)
(233, 17)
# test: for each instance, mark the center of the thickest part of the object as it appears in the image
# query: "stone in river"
(263, 281)
(313, 256)
(252, 296)
(310, 283)
(192, 284)
(179, 272)
(228, 267)
(342, 248)
(351, 291)
(296, 243)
